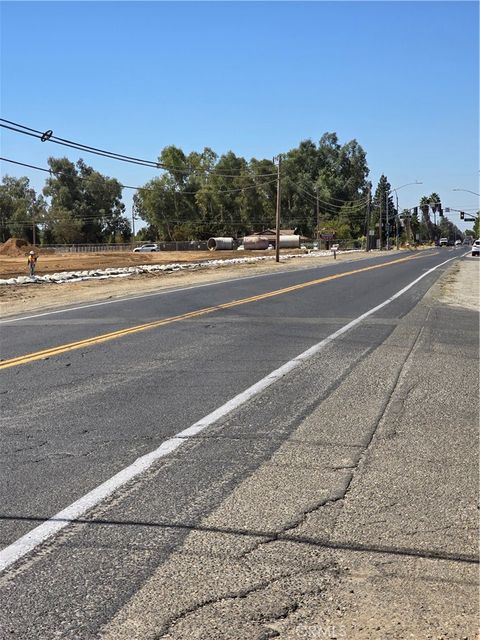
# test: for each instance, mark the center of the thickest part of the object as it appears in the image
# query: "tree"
(427, 204)
(21, 209)
(85, 206)
(200, 195)
(383, 209)
(476, 226)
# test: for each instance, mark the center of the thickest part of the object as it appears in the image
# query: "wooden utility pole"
(380, 223)
(133, 224)
(277, 219)
(367, 245)
(33, 232)
(318, 218)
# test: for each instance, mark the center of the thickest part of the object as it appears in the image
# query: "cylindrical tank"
(289, 242)
(217, 244)
(251, 243)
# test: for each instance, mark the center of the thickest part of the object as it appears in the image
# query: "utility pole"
(277, 218)
(318, 218)
(409, 227)
(397, 220)
(133, 223)
(380, 224)
(367, 246)
(387, 226)
(33, 232)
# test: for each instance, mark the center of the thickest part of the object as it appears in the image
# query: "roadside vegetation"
(324, 189)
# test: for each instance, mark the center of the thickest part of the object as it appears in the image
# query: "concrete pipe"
(289, 242)
(252, 243)
(218, 244)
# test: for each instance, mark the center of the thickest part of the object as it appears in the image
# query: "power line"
(348, 203)
(355, 209)
(47, 136)
(126, 186)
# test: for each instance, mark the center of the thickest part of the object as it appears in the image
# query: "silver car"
(476, 248)
(147, 248)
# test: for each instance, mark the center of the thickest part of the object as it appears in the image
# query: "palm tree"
(425, 208)
(435, 205)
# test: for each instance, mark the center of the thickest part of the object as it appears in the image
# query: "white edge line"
(21, 547)
(169, 290)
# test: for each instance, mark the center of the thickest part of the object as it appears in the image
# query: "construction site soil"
(13, 260)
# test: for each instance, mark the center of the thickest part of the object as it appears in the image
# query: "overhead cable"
(126, 186)
(47, 136)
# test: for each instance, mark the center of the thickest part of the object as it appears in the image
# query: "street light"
(387, 234)
(467, 191)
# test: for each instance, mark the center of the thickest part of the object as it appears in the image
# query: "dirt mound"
(15, 247)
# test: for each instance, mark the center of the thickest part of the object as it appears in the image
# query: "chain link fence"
(103, 248)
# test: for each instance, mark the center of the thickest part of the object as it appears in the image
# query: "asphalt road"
(75, 417)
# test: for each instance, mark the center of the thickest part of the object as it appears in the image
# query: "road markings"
(153, 294)
(115, 335)
(37, 536)
(172, 289)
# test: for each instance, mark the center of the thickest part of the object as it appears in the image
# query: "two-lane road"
(86, 391)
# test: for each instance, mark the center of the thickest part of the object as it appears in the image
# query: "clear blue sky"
(254, 77)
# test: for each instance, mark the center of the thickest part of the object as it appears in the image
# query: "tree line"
(324, 188)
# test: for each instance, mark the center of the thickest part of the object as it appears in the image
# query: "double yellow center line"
(114, 335)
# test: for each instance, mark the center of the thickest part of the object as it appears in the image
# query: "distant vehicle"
(476, 248)
(458, 243)
(443, 242)
(147, 248)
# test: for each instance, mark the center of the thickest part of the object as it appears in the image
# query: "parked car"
(458, 243)
(443, 242)
(147, 248)
(476, 248)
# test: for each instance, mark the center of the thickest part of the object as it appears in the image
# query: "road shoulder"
(363, 523)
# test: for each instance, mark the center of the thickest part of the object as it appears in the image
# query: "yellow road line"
(114, 335)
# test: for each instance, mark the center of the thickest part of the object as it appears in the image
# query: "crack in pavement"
(240, 594)
(341, 492)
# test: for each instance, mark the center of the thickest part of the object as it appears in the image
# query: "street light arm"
(405, 185)
(467, 191)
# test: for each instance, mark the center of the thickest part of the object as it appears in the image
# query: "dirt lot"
(38, 297)
(11, 266)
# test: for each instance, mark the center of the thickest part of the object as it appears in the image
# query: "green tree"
(20, 209)
(85, 206)
(476, 226)
(200, 195)
(383, 209)
(431, 204)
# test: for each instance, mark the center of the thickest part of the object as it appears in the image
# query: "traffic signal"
(440, 211)
(462, 215)
(415, 211)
